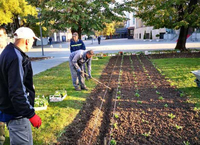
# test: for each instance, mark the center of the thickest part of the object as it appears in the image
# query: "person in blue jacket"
(75, 43)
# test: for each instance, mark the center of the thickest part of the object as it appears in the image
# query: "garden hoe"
(98, 81)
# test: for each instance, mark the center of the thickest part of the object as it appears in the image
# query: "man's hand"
(36, 121)
(89, 76)
(81, 73)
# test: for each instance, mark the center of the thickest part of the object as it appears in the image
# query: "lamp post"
(39, 16)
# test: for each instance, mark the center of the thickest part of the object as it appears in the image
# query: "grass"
(60, 115)
(178, 71)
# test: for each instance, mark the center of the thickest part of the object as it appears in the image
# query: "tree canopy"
(175, 14)
(110, 28)
(83, 15)
(10, 9)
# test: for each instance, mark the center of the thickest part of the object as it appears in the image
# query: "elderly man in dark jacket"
(16, 88)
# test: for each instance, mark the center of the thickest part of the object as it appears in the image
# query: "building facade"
(137, 30)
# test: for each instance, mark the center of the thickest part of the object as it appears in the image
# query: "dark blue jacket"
(16, 83)
(74, 46)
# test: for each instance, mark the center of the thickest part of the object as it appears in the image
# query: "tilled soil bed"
(175, 55)
(142, 109)
(91, 124)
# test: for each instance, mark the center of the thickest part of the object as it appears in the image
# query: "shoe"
(77, 89)
(84, 88)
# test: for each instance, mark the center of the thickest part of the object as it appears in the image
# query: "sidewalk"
(42, 65)
(61, 51)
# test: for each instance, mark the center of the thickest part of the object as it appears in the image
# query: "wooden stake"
(79, 142)
(105, 141)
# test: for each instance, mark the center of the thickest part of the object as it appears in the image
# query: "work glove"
(89, 76)
(36, 121)
(81, 73)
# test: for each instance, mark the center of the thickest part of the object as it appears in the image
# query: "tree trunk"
(182, 39)
(110, 36)
(16, 22)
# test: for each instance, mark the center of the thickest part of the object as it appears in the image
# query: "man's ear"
(26, 42)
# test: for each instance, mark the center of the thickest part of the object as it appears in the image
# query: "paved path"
(61, 52)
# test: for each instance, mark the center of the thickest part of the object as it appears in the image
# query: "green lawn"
(178, 71)
(59, 115)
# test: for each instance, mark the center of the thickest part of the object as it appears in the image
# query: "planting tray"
(197, 74)
(40, 108)
(53, 98)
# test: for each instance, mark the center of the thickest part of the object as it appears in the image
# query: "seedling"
(155, 87)
(144, 121)
(146, 134)
(157, 92)
(186, 143)
(119, 92)
(165, 105)
(182, 94)
(113, 142)
(116, 116)
(197, 109)
(115, 125)
(161, 98)
(139, 102)
(119, 103)
(137, 94)
(118, 97)
(171, 115)
(178, 127)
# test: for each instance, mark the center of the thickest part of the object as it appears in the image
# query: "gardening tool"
(98, 81)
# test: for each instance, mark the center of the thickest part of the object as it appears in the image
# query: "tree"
(176, 14)
(110, 28)
(13, 10)
(83, 15)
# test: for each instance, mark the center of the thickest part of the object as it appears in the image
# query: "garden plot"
(91, 123)
(142, 109)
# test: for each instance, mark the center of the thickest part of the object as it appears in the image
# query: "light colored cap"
(75, 34)
(25, 33)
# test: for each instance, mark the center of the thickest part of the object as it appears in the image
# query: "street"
(61, 52)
